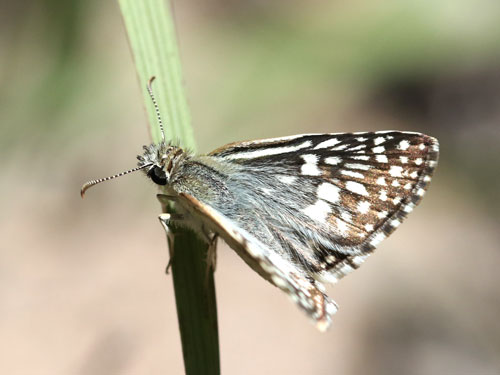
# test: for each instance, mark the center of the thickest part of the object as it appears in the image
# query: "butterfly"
(302, 210)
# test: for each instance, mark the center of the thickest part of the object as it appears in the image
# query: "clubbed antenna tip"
(150, 82)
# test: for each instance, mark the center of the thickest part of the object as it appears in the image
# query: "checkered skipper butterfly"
(299, 210)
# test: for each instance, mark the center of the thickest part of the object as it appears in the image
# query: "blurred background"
(82, 283)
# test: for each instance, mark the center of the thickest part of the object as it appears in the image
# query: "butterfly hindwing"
(302, 289)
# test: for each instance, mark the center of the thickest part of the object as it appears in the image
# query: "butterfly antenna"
(89, 184)
(157, 109)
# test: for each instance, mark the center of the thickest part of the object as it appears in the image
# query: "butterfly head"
(158, 160)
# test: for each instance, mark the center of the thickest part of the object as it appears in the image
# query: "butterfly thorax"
(159, 160)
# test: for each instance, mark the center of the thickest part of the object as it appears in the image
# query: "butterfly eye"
(158, 175)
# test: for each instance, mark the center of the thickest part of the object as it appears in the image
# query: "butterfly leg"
(165, 220)
(211, 258)
(212, 252)
(166, 199)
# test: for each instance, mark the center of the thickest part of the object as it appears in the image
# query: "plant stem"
(153, 42)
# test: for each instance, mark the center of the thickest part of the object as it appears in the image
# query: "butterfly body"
(299, 210)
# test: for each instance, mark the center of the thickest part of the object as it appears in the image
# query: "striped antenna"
(157, 109)
(89, 184)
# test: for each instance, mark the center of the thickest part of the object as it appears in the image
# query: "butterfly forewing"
(351, 190)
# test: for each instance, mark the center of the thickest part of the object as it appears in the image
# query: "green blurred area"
(71, 109)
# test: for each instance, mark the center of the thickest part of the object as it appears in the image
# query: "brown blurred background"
(82, 283)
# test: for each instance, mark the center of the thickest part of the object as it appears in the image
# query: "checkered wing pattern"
(323, 202)
(310, 208)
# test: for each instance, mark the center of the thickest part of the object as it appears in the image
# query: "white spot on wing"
(318, 211)
(378, 149)
(363, 167)
(359, 259)
(381, 158)
(345, 269)
(409, 207)
(331, 308)
(378, 140)
(379, 237)
(329, 277)
(395, 171)
(310, 168)
(395, 223)
(382, 214)
(340, 148)
(383, 195)
(360, 157)
(359, 147)
(328, 143)
(346, 216)
(277, 139)
(268, 151)
(381, 181)
(278, 281)
(352, 174)
(356, 187)
(333, 160)
(331, 259)
(363, 207)
(341, 226)
(403, 145)
(329, 192)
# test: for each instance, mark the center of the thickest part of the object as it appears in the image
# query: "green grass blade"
(153, 42)
(151, 34)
